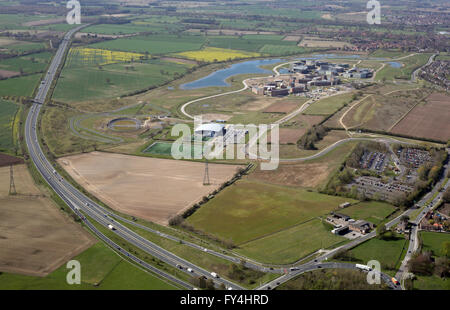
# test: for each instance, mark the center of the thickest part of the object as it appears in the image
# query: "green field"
(19, 86)
(248, 210)
(154, 44)
(274, 49)
(388, 53)
(27, 64)
(139, 26)
(115, 29)
(372, 211)
(15, 21)
(443, 56)
(410, 64)
(101, 269)
(268, 44)
(388, 252)
(26, 47)
(290, 245)
(264, 25)
(329, 105)
(64, 27)
(57, 135)
(165, 149)
(91, 83)
(7, 114)
(433, 242)
(431, 283)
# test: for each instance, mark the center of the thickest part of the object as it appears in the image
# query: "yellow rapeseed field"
(213, 54)
(101, 57)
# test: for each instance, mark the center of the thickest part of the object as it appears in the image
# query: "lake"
(219, 77)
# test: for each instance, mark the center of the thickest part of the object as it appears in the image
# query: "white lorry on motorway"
(363, 267)
(111, 227)
(214, 275)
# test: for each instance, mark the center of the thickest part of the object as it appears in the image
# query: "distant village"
(307, 73)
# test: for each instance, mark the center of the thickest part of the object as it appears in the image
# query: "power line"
(206, 175)
(12, 186)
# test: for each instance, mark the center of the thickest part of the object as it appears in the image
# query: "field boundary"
(276, 232)
(401, 118)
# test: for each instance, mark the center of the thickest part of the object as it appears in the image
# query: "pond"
(395, 64)
(219, 77)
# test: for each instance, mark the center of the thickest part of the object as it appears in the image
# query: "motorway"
(79, 203)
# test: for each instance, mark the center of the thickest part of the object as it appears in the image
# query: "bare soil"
(150, 188)
(428, 121)
(281, 107)
(35, 237)
(4, 74)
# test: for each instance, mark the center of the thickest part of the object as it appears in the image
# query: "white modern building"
(210, 130)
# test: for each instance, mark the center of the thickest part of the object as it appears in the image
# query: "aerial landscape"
(227, 145)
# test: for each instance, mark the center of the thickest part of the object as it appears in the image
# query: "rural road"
(414, 74)
(414, 240)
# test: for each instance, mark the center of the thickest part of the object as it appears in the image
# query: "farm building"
(340, 216)
(210, 130)
(361, 226)
(340, 230)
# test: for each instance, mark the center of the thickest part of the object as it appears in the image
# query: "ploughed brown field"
(35, 236)
(298, 126)
(7, 74)
(150, 188)
(290, 135)
(300, 174)
(281, 107)
(428, 121)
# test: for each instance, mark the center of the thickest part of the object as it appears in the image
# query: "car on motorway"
(190, 270)
(395, 281)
